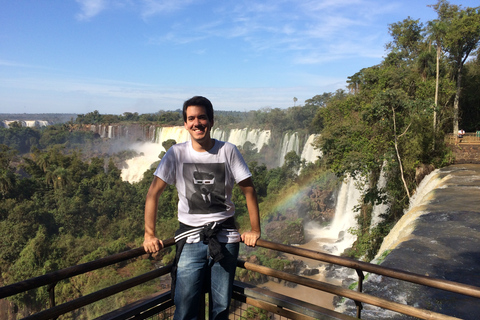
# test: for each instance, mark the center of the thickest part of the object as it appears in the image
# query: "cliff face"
(466, 153)
(439, 237)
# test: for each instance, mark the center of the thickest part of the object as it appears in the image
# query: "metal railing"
(273, 302)
(467, 138)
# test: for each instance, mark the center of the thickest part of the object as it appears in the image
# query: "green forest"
(63, 202)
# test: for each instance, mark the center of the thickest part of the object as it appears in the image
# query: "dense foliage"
(62, 201)
(59, 208)
(397, 113)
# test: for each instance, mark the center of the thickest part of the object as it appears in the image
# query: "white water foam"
(336, 237)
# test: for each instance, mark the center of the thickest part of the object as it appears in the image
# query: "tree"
(7, 173)
(407, 37)
(470, 100)
(458, 32)
(292, 164)
(167, 144)
(436, 32)
(90, 118)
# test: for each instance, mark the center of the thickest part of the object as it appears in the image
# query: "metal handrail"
(359, 266)
(72, 305)
(347, 293)
(447, 285)
(69, 272)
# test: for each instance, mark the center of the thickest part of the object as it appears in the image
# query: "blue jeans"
(194, 268)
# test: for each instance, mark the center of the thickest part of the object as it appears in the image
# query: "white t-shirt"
(204, 182)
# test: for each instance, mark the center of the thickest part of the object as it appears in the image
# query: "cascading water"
(238, 137)
(136, 167)
(25, 123)
(30, 123)
(309, 153)
(179, 134)
(379, 209)
(405, 225)
(110, 132)
(157, 135)
(335, 238)
(289, 143)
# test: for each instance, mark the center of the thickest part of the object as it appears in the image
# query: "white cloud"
(116, 97)
(90, 8)
(9, 63)
(300, 31)
(154, 7)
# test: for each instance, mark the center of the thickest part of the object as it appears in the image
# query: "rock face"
(466, 153)
(438, 237)
(285, 230)
(288, 228)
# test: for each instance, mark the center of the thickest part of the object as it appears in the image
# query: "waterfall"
(289, 143)
(379, 208)
(137, 166)
(29, 123)
(238, 137)
(110, 132)
(309, 153)
(344, 219)
(157, 135)
(100, 129)
(25, 123)
(335, 238)
(406, 224)
(178, 133)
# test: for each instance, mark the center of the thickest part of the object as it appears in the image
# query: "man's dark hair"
(198, 101)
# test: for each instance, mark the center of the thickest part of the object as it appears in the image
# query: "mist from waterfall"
(136, 167)
(335, 237)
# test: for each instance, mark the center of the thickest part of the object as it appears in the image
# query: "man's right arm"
(152, 244)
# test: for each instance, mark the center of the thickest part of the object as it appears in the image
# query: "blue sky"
(116, 56)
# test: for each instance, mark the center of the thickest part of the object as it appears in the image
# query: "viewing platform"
(465, 149)
(250, 302)
(467, 138)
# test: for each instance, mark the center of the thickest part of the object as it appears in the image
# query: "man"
(204, 171)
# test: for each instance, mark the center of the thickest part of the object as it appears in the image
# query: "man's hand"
(250, 238)
(152, 244)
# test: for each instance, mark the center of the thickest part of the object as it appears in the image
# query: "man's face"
(198, 124)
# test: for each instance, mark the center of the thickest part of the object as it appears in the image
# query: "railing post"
(201, 309)
(51, 293)
(361, 277)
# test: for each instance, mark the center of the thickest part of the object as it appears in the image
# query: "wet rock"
(285, 231)
(310, 272)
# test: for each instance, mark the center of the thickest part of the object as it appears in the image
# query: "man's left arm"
(250, 237)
